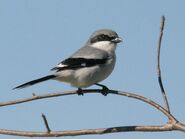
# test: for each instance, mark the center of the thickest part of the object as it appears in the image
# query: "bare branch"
(36, 97)
(173, 125)
(160, 128)
(46, 123)
(158, 65)
(85, 91)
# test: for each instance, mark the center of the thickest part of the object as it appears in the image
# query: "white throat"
(105, 45)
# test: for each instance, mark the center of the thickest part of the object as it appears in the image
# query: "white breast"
(105, 45)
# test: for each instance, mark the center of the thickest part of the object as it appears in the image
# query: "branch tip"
(162, 22)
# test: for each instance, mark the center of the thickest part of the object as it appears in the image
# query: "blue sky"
(35, 35)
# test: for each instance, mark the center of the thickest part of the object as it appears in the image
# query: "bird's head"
(104, 39)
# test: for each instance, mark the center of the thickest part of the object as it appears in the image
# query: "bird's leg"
(80, 92)
(105, 89)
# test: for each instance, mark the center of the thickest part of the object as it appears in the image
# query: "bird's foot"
(80, 92)
(105, 89)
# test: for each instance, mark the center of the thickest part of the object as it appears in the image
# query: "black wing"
(76, 63)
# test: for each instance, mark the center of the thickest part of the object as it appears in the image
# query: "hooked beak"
(117, 40)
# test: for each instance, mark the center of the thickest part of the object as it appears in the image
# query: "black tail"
(35, 81)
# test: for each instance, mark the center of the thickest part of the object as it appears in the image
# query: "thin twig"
(158, 65)
(46, 123)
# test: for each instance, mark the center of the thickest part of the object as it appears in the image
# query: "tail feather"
(35, 81)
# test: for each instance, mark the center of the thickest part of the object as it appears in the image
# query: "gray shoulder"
(90, 52)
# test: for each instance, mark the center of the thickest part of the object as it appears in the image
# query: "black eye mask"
(102, 37)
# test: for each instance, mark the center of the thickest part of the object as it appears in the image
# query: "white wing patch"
(60, 65)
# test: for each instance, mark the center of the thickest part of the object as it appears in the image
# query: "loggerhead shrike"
(89, 65)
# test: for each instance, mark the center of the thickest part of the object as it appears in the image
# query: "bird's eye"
(104, 37)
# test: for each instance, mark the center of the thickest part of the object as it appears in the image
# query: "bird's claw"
(105, 90)
(80, 92)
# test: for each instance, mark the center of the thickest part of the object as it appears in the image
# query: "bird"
(89, 65)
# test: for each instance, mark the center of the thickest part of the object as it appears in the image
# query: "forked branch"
(173, 125)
